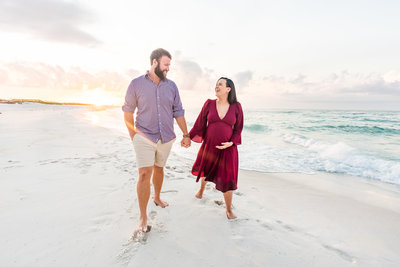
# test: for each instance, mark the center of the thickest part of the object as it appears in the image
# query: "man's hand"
(185, 142)
(225, 145)
(130, 124)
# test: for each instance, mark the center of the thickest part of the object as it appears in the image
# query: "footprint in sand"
(219, 202)
(129, 249)
(152, 214)
(176, 178)
(170, 191)
(170, 175)
(286, 226)
(103, 219)
(289, 228)
(129, 209)
(109, 188)
(341, 253)
(265, 225)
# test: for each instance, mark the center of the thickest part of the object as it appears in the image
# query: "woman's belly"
(218, 133)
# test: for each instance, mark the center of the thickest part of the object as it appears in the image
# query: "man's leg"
(158, 178)
(162, 154)
(143, 193)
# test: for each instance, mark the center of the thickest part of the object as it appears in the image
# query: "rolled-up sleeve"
(177, 108)
(130, 99)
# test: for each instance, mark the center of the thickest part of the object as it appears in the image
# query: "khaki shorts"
(148, 153)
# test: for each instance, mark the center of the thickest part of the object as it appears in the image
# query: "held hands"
(225, 145)
(185, 142)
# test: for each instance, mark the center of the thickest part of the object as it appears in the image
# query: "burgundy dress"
(219, 166)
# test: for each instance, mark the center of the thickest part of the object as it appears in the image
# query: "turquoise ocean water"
(365, 144)
(360, 143)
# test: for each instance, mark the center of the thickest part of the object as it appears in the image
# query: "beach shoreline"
(68, 190)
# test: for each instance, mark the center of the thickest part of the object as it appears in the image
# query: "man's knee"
(158, 169)
(145, 174)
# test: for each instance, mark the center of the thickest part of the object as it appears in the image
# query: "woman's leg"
(202, 187)
(228, 204)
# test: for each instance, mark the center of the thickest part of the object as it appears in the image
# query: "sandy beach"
(68, 198)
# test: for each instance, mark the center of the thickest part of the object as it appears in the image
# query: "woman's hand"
(225, 145)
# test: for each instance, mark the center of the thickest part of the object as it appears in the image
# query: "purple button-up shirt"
(157, 106)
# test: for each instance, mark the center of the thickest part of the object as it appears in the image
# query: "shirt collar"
(148, 77)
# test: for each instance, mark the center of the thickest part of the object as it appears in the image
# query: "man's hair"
(158, 53)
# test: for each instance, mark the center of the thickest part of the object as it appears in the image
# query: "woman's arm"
(197, 133)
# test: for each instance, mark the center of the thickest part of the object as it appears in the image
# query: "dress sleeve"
(238, 127)
(198, 131)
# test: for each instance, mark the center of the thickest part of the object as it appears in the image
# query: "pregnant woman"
(219, 126)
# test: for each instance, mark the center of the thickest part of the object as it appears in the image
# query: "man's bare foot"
(142, 227)
(230, 215)
(199, 194)
(145, 229)
(161, 203)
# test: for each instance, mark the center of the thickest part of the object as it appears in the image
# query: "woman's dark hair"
(232, 93)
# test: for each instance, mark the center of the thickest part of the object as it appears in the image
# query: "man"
(158, 103)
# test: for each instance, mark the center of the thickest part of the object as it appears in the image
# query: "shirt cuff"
(179, 113)
(128, 109)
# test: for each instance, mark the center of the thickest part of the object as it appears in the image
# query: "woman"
(219, 126)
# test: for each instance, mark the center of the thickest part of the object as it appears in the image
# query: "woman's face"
(221, 89)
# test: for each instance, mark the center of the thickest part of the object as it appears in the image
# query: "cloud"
(190, 76)
(42, 76)
(3, 76)
(343, 83)
(56, 21)
(242, 79)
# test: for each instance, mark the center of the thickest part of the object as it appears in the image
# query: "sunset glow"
(98, 97)
(308, 55)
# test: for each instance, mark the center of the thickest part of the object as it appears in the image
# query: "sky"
(280, 54)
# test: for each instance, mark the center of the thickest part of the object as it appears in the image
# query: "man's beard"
(159, 73)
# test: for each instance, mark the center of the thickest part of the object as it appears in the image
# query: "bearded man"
(157, 101)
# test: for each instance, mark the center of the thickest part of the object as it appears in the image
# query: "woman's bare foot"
(199, 194)
(203, 183)
(160, 203)
(230, 215)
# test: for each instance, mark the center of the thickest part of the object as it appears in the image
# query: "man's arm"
(182, 124)
(130, 124)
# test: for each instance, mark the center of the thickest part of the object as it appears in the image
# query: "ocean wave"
(256, 128)
(374, 130)
(342, 158)
(381, 120)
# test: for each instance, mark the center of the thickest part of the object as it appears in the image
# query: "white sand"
(68, 198)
